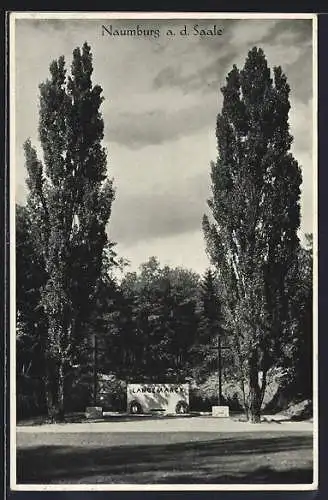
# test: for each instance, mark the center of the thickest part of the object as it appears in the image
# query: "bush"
(205, 395)
(80, 394)
(30, 401)
(111, 393)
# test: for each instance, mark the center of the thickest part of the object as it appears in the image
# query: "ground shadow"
(238, 459)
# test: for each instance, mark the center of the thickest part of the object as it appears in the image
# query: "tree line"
(161, 323)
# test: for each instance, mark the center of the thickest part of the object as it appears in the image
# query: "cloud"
(307, 193)
(205, 79)
(299, 76)
(186, 250)
(161, 213)
(253, 31)
(41, 24)
(159, 126)
(300, 119)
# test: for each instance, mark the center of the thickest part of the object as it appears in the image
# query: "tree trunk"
(242, 387)
(54, 390)
(95, 369)
(61, 392)
(254, 407)
(255, 400)
(49, 393)
(245, 404)
(263, 386)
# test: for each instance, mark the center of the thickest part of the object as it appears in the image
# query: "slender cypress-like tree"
(69, 204)
(211, 307)
(252, 234)
(211, 328)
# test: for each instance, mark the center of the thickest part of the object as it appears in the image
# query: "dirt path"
(193, 424)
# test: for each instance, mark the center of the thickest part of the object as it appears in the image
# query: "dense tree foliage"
(31, 321)
(252, 235)
(153, 325)
(298, 348)
(210, 328)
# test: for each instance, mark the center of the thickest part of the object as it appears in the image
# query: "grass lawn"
(171, 458)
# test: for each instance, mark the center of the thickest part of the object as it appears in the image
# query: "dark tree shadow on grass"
(275, 459)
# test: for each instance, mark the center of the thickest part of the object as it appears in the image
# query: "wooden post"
(219, 348)
(220, 371)
(95, 369)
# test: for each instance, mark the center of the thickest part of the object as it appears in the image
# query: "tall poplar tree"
(69, 204)
(255, 214)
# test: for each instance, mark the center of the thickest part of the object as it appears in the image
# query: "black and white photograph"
(163, 215)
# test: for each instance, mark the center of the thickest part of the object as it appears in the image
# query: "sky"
(161, 101)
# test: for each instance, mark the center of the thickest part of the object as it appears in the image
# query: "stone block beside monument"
(93, 412)
(220, 411)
